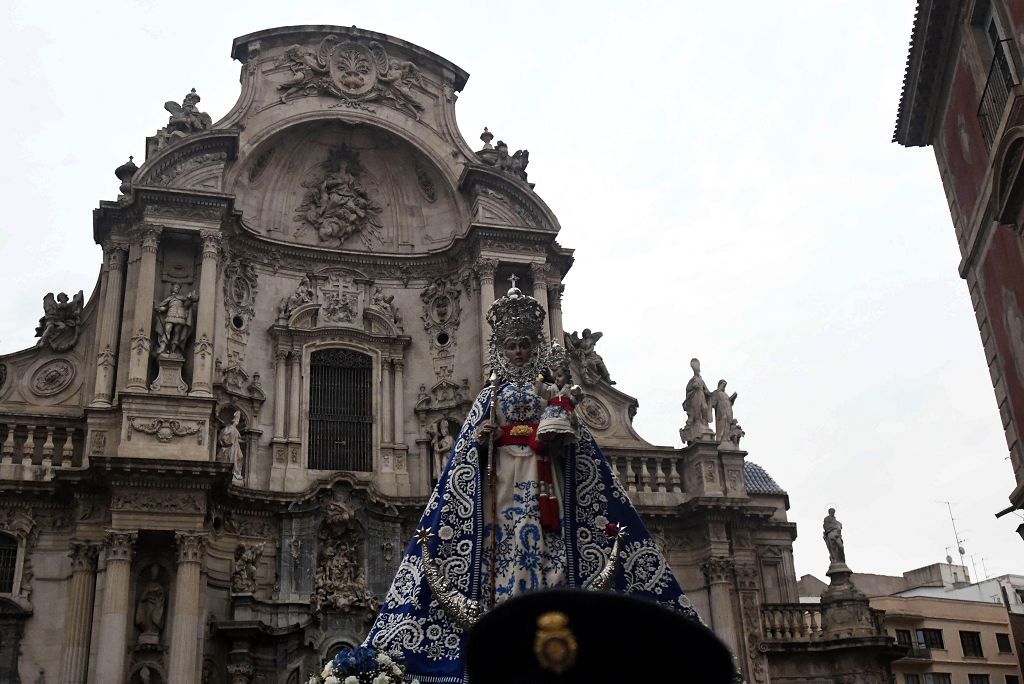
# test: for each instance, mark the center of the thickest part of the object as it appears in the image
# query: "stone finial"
(124, 173)
(487, 137)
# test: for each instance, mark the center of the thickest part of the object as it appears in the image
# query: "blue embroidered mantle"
(414, 627)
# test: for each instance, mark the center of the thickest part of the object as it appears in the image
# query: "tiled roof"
(758, 481)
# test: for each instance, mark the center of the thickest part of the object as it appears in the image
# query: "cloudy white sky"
(723, 171)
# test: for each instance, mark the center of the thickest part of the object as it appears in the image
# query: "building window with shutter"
(340, 411)
(1003, 642)
(977, 679)
(930, 638)
(8, 563)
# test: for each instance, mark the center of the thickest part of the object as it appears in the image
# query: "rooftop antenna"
(956, 535)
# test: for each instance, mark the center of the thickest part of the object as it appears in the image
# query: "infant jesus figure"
(558, 425)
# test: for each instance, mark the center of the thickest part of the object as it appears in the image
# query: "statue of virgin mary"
(512, 514)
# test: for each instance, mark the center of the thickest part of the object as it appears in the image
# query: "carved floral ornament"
(165, 430)
(52, 377)
(353, 72)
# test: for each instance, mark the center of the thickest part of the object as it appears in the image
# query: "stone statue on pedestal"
(721, 403)
(230, 442)
(150, 610)
(697, 408)
(581, 349)
(174, 317)
(833, 536)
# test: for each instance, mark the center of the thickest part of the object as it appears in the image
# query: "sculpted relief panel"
(334, 185)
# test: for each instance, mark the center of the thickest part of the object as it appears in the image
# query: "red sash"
(525, 434)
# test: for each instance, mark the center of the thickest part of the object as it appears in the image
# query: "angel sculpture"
(308, 73)
(591, 364)
(396, 78)
(186, 117)
(59, 326)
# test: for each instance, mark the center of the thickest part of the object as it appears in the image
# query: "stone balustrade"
(644, 473)
(791, 621)
(31, 448)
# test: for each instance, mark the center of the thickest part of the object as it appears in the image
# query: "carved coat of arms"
(354, 73)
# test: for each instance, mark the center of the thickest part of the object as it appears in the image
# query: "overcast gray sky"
(723, 171)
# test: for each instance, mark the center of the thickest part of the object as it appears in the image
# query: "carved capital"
(191, 547)
(399, 364)
(281, 354)
(211, 243)
(296, 356)
(241, 673)
(83, 556)
(114, 255)
(149, 238)
(555, 291)
(120, 545)
(718, 570)
(541, 274)
(486, 269)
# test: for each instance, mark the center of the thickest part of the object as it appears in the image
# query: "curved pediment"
(195, 162)
(330, 183)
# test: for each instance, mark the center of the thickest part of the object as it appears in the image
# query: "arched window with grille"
(340, 411)
(8, 563)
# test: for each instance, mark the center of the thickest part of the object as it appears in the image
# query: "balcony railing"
(32, 448)
(996, 93)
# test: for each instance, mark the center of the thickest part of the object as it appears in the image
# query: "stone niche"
(335, 185)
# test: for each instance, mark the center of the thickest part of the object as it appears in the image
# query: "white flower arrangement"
(362, 665)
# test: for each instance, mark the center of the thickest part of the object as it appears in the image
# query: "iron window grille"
(994, 97)
(8, 563)
(340, 411)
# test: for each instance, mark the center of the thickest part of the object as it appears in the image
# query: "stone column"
(296, 394)
(540, 293)
(399, 401)
(486, 269)
(110, 320)
(555, 311)
(142, 319)
(202, 348)
(183, 659)
(74, 658)
(719, 574)
(386, 407)
(119, 546)
(280, 392)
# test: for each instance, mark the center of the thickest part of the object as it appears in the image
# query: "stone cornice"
(930, 48)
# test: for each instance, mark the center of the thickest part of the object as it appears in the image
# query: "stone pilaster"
(295, 400)
(110, 319)
(183, 659)
(399, 366)
(719, 573)
(142, 319)
(540, 292)
(555, 312)
(280, 392)
(202, 348)
(74, 658)
(119, 547)
(387, 407)
(486, 269)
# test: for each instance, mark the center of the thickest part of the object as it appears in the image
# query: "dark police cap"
(567, 636)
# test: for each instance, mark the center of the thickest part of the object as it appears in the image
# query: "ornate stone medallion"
(52, 377)
(594, 413)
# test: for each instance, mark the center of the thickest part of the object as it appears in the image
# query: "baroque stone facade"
(209, 469)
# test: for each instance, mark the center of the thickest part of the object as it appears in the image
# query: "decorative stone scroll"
(355, 73)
